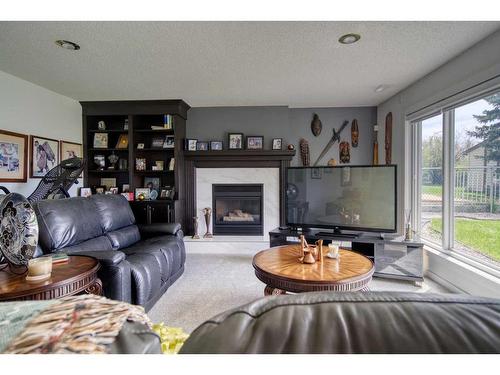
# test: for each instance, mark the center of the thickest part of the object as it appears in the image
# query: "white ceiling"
(299, 64)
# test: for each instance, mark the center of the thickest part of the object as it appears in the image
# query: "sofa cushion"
(101, 243)
(163, 262)
(145, 281)
(113, 210)
(172, 248)
(66, 222)
(124, 237)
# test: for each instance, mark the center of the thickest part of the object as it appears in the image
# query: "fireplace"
(237, 209)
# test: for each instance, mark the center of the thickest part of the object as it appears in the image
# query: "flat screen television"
(359, 198)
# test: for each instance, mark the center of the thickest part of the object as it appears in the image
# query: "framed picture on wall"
(13, 157)
(70, 150)
(255, 142)
(44, 155)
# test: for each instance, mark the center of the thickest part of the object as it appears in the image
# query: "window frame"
(448, 207)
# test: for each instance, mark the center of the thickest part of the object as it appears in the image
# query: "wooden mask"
(354, 133)
(316, 125)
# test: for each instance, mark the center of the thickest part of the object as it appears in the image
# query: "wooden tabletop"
(279, 267)
(72, 277)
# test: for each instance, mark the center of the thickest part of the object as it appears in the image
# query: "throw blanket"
(84, 324)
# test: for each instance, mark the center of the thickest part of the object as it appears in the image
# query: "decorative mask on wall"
(388, 138)
(304, 152)
(316, 125)
(344, 152)
(354, 133)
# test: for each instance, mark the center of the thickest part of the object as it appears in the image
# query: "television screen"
(356, 198)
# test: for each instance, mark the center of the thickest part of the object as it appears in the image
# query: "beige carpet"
(213, 283)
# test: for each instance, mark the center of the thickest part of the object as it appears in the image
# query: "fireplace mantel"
(232, 159)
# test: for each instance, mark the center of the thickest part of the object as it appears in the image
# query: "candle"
(40, 266)
(334, 250)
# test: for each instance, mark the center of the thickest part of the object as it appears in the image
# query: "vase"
(195, 225)
(207, 212)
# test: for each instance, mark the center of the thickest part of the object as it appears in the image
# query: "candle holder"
(195, 225)
(207, 212)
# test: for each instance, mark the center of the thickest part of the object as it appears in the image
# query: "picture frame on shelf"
(152, 183)
(201, 146)
(169, 142)
(171, 164)
(100, 161)
(101, 125)
(85, 192)
(125, 188)
(100, 140)
(13, 157)
(142, 191)
(113, 190)
(140, 146)
(255, 142)
(44, 155)
(277, 144)
(191, 144)
(100, 189)
(140, 164)
(122, 142)
(108, 182)
(157, 142)
(216, 145)
(235, 141)
(167, 192)
(128, 196)
(159, 165)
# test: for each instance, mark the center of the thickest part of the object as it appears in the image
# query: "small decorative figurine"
(319, 250)
(354, 133)
(101, 125)
(332, 163)
(304, 152)
(113, 159)
(207, 211)
(316, 125)
(344, 152)
(291, 147)
(308, 253)
(195, 225)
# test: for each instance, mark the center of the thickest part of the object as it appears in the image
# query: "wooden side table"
(77, 276)
(281, 271)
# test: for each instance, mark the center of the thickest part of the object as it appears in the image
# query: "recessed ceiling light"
(66, 44)
(379, 88)
(349, 38)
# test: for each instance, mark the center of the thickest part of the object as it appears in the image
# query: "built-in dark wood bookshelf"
(141, 115)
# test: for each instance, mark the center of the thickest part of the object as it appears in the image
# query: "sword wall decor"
(335, 138)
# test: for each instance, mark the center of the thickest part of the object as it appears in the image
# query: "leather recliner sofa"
(138, 262)
(356, 322)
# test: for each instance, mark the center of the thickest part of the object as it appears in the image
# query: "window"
(457, 161)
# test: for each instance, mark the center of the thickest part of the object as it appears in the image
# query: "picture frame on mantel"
(13, 157)
(235, 141)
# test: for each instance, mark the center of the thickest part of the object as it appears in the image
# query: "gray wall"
(291, 124)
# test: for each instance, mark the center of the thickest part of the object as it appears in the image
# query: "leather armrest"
(159, 229)
(106, 257)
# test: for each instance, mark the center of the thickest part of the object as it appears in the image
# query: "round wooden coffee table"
(78, 275)
(279, 268)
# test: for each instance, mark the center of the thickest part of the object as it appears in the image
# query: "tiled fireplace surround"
(245, 168)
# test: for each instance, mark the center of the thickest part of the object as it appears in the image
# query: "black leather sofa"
(138, 263)
(357, 322)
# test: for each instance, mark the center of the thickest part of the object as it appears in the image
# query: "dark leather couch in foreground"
(376, 322)
(138, 263)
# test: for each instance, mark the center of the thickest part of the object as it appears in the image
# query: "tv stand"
(393, 257)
